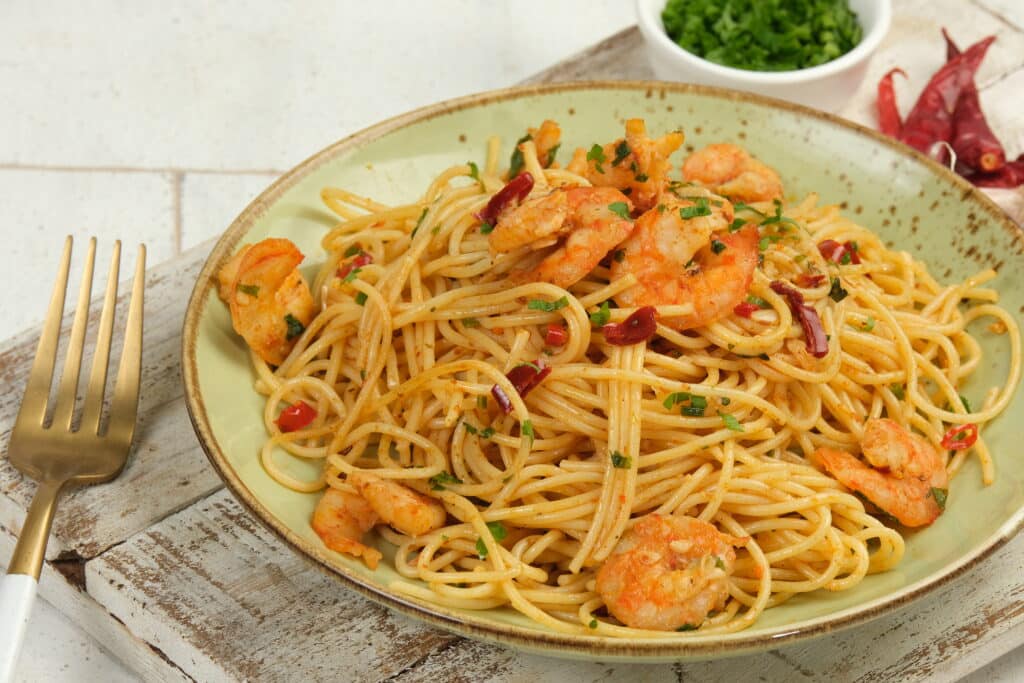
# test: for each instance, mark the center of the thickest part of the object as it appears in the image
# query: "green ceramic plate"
(915, 204)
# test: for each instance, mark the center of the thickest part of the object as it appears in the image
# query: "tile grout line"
(177, 183)
(999, 17)
(13, 166)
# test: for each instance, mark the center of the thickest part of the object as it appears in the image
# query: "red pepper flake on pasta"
(839, 253)
(745, 309)
(296, 416)
(556, 335)
(808, 280)
(960, 437)
(363, 259)
(515, 190)
(814, 331)
(638, 327)
(524, 377)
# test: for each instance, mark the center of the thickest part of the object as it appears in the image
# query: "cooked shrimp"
(270, 302)
(340, 520)
(679, 260)
(547, 138)
(409, 512)
(635, 164)
(589, 218)
(668, 572)
(904, 475)
(730, 171)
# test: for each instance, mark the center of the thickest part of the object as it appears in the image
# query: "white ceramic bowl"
(827, 86)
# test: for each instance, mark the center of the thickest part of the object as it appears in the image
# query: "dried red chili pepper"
(810, 279)
(523, 377)
(960, 437)
(515, 190)
(1010, 175)
(975, 144)
(295, 417)
(951, 47)
(745, 309)
(931, 119)
(888, 113)
(556, 335)
(839, 253)
(363, 259)
(810, 321)
(638, 327)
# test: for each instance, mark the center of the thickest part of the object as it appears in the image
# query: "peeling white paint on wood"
(180, 583)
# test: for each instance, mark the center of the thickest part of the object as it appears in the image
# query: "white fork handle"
(17, 593)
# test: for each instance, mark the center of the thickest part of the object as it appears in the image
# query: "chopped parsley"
(940, 496)
(487, 433)
(470, 428)
(620, 209)
(641, 178)
(498, 531)
(474, 172)
(596, 154)
(601, 316)
(547, 306)
(352, 275)
(719, 563)
(486, 228)
(778, 218)
(470, 322)
(515, 164)
(526, 429)
(837, 293)
(593, 623)
(674, 398)
(361, 298)
(623, 462)
(764, 243)
(967, 404)
(757, 301)
(687, 627)
(419, 221)
(898, 390)
(251, 290)
(869, 324)
(353, 251)
(731, 422)
(552, 153)
(536, 368)
(717, 247)
(725, 400)
(295, 327)
(736, 224)
(481, 402)
(481, 548)
(700, 208)
(743, 206)
(696, 407)
(621, 152)
(438, 481)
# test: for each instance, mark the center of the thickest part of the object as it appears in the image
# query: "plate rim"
(466, 623)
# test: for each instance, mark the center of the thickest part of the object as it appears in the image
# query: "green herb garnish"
(486, 228)
(361, 298)
(620, 209)
(295, 327)
(687, 627)
(551, 154)
(621, 152)
(940, 496)
(621, 461)
(731, 422)
(481, 402)
(355, 249)
(898, 390)
(438, 481)
(601, 316)
(717, 247)
(619, 255)
(474, 172)
(419, 221)
(547, 306)
(470, 322)
(700, 208)
(757, 301)
(837, 293)
(470, 428)
(515, 164)
(596, 154)
(526, 429)
(593, 623)
(251, 290)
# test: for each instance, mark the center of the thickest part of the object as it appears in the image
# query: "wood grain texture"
(226, 600)
(180, 583)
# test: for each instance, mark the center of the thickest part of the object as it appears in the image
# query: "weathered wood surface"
(175, 579)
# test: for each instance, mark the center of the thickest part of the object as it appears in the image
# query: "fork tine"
(66, 393)
(125, 404)
(93, 407)
(37, 390)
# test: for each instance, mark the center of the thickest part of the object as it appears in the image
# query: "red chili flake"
(839, 253)
(524, 378)
(363, 259)
(296, 416)
(888, 114)
(502, 399)
(960, 437)
(744, 309)
(852, 249)
(808, 280)
(556, 335)
(638, 327)
(814, 331)
(515, 190)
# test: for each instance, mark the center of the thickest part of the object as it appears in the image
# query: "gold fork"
(52, 453)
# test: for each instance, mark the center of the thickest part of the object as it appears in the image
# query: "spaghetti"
(407, 371)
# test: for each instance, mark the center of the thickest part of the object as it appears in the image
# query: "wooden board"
(168, 572)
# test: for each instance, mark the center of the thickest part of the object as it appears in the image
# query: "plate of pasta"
(622, 370)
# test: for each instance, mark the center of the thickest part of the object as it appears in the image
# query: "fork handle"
(18, 588)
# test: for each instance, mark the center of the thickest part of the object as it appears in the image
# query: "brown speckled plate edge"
(466, 623)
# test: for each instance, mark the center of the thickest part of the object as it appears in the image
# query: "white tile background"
(158, 122)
